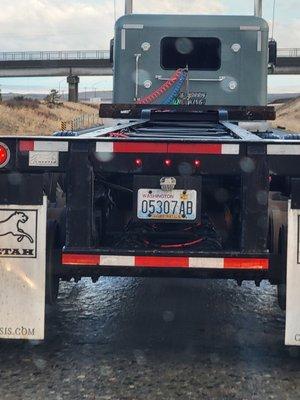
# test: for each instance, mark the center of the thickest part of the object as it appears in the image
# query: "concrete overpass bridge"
(288, 62)
(71, 64)
(74, 64)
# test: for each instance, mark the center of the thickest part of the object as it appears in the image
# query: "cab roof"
(192, 21)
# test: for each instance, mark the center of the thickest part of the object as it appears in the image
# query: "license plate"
(174, 205)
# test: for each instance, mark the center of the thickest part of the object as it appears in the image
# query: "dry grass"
(37, 118)
(40, 119)
(288, 115)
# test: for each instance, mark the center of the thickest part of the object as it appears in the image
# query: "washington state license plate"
(173, 205)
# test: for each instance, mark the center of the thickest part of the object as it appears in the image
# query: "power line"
(115, 11)
(273, 20)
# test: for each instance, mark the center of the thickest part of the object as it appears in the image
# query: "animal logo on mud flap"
(13, 225)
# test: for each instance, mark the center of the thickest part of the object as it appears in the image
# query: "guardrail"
(91, 55)
(288, 52)
(55, 55)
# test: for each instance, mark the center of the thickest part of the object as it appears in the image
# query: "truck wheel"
(52, 261)
(282, 251)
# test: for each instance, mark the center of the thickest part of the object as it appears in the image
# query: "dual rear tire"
(282, 253)
(277, 244)
(53, 260)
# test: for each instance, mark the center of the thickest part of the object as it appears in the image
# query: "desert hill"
(34, 117)
(288, 115)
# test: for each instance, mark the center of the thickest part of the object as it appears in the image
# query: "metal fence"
(84, 121)
(288, 52)
(55, 55)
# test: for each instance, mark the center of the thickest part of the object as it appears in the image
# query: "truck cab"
(225, 58)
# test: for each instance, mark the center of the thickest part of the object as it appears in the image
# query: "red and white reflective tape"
(43, 145)
(43, 153)
(171, 148)
(165, 262)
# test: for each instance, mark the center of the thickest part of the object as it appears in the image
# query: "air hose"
(162, 89)
(176, 89)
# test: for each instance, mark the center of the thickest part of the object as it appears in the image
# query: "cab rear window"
(193, 52)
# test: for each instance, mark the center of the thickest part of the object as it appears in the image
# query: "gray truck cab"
(224, 59)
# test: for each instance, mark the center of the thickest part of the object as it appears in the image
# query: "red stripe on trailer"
(80, 259)
(167, 148)
(26, 145)
(169, 262)
(246, 263)
(140, 148)
(162, 262)
(195, 148)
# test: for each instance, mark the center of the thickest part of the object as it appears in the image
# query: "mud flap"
(292, 324)
(22, 271)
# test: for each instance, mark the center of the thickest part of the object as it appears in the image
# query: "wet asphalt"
(132, 339)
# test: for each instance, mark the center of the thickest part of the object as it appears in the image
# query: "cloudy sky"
(88, 24)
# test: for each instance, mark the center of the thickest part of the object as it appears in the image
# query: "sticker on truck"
(18, 233)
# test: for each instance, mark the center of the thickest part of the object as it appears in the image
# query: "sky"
(88, 25)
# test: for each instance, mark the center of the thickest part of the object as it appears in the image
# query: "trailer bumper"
(164, 264)
(153, 261)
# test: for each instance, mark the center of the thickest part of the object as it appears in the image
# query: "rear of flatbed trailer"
(193, 184)
(247, 187)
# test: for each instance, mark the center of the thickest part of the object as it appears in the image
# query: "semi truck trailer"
(190, 180)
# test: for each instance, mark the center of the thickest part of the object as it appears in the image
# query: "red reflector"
(197, 163)
(168, 163)
(4, 154)
(195, 148)
(162, 262)
(80, 259)
(138, 162)
(139, 148)
(246, 263)
(26, 145)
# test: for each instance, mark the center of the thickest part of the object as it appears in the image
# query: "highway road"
(148, 339)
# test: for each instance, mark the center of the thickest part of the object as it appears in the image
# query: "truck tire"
(52, 261)
(282, 251)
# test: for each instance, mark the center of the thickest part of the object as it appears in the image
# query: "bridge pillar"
(73, 82)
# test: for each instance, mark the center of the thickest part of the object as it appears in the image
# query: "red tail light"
(168, 163)
(4, 155)
(138, 163)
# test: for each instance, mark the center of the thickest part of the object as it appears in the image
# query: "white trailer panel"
(22, 271)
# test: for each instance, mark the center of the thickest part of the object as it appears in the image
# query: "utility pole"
(128, 6)
(258, 8)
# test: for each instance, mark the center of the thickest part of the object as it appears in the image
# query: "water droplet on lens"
(247, 165)
(168, 316)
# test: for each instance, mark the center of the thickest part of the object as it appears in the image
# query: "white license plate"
(173, 205)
